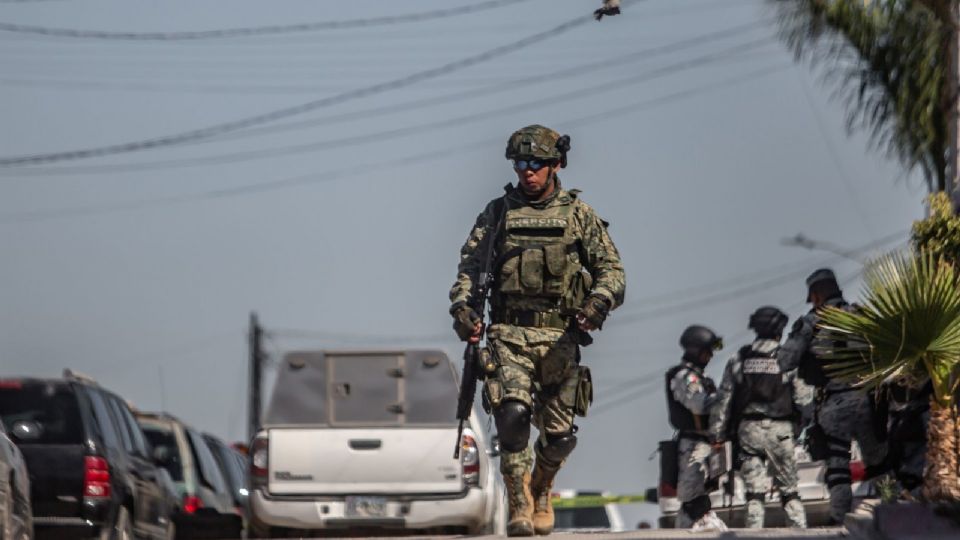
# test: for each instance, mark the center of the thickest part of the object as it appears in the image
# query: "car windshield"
(368, 389)
(582, 518)
(52, 406)
(162, 437)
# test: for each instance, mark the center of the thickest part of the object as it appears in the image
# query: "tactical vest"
(763, 383)
(681, 418)
(539, 265)
(811, 365)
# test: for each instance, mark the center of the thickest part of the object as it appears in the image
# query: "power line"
(432, 155)
(512, 84)
(387, 20)
(226, 127)
(368, 138)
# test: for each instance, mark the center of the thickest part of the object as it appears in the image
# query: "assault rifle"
(471, 354)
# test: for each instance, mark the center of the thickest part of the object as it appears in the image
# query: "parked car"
(811, 486)
(364, 440)
(585, 517)
(205, 508)
(234, 467)
(16, 517)
(91, 470)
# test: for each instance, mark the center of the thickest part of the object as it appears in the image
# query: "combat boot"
(541, 485)
(521, 504)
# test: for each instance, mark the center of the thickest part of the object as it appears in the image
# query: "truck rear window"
(52, 406)
(163, 438)
(412, 388)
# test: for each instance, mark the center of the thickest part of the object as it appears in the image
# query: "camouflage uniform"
(696, 392)
(845, 413)
(765, 437)
(550, 257)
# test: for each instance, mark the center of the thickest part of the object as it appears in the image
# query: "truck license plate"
(366, 507)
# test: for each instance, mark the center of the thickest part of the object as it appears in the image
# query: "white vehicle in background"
(363, 441)
(811, 485)
(584, 517)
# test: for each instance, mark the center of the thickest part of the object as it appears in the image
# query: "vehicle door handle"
(365, 444)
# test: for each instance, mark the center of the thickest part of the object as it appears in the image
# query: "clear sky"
(699, 140)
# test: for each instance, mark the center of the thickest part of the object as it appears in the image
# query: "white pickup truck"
(363, 441)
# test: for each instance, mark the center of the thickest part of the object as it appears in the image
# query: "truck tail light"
(96, 478)
(857, 471)
(260, 458)
(470, 460)
(192, 503)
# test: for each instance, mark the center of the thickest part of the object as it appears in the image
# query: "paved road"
(671, 534)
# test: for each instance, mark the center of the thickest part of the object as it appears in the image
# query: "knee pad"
(558, 447)
(697, 508)
(513, 425)
(756, 497)
(785, 498)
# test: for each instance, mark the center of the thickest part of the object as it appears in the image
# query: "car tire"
(122, 528)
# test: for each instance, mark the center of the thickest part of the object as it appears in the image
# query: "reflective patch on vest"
(536, 223)
(763, 366)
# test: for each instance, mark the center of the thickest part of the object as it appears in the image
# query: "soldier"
(557, 275)
(690, 394)
(908, 418)
(759, 394)
(843, 412)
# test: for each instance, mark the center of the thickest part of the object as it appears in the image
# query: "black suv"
(91, 469)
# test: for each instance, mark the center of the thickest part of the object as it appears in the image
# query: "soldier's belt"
(536, 319)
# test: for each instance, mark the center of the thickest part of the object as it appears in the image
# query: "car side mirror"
(161, 456)
(26, 431)
(651, 495)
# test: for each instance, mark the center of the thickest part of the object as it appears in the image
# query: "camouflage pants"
(767, 445)
(692, 457)
(846, 417)
(538, 367)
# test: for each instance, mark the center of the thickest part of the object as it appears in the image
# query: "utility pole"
(801, 240)
(257, 357)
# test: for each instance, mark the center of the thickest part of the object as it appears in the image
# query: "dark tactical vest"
(539, 266)
(763, 383)
(681, 418)
(811, 365)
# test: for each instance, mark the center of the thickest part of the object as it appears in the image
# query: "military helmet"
(821, 276)
(538, 142)
(698, 338)
(768, 321)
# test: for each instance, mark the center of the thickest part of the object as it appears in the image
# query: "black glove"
(610, 11)
(465, 320)
(594, 311)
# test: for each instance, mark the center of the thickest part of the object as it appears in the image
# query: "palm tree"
(908, 331)
(894, 64)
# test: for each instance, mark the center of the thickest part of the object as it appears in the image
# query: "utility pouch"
(555, 256)
(531, 271)
(492, 393)
(487, 364)
(510, 276)
(584, 391)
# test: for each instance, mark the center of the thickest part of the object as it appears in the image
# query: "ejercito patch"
(763, 366)
(536, 223)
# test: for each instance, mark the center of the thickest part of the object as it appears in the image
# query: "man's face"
(705, 357)
(534, 175)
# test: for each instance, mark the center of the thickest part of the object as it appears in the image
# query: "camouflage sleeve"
(689, 390)
(603, 259)
(720, 410)
(471, 258)
(802, 392)
(797, 343)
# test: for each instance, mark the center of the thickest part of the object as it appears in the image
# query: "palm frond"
(908, 328)
(886, 60)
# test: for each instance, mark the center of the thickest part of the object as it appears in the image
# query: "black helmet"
(698, 338)
(768, 322)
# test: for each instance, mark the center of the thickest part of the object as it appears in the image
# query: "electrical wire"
(368, 138)
(387, 20)
(328, 176)
(303, 108)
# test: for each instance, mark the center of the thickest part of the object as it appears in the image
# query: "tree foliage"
(939, 233)
(886, 60)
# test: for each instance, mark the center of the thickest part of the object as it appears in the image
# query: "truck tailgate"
(350, 461)
(56, 478)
